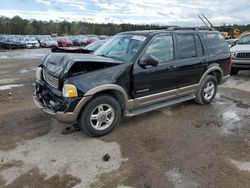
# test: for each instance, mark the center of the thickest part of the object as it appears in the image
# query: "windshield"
(121, 47)
(244, 40)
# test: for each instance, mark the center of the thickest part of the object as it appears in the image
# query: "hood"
(62, 65)
(240, 48)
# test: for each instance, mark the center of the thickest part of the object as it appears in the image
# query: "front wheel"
(207, 90)
(100, 116)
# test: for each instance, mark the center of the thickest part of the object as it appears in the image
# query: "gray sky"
(168, 12)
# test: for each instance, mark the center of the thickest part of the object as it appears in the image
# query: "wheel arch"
(215, 71)
(114, 90)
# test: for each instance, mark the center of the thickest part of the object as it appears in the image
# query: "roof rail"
(191, 28)
(157, 28)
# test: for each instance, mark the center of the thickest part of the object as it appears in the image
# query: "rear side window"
(217, 43)
(187, 45)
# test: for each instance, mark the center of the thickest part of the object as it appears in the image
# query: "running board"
(159, 105)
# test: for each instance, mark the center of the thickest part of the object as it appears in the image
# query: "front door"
(153, 84)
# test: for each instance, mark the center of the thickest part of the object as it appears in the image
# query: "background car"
(231, 42)
(91, 40)
(64, 42)
(95, 45)
(11, 43)
(78, 40)
(47, 41)
(31, 42)
(240, 54)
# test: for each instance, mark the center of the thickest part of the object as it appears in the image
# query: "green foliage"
(17, 25)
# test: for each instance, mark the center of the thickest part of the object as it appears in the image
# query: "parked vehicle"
(11, 43)
(47, 41)
(241, 55)
(64, 42)
(80, 49)
(95, 45)
(78, 41)
(20, 40)
(91, 40)
(231, 42)
(74, 49)
(31, 42)
(132, 73)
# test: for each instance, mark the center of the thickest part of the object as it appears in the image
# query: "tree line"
(18, 25)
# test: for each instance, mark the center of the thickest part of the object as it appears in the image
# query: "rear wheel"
(234, 71)
(207, 90)
(100, 116)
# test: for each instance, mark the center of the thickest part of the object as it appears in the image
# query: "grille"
(50, 79)
(243, 55)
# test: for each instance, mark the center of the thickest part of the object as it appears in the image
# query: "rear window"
(217, 43)
(187, 45)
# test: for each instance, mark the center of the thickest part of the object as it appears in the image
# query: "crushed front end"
(49, 98)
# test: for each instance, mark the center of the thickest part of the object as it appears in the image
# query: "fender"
(213, 67)
(129, 103)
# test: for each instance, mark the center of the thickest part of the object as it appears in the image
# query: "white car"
(240, 54)
(31, 43)
(48, 42)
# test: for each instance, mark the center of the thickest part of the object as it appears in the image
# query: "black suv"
(132, 73)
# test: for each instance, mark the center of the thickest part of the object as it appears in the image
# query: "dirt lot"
(186, 145)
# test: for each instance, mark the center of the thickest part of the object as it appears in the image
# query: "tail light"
(229, 63)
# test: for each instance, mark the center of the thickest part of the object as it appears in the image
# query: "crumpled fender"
(119, 75)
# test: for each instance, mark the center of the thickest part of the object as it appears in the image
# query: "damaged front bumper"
(49, 101)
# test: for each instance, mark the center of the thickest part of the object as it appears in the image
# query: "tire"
(207, 90)
(100, 116)
(234, 71)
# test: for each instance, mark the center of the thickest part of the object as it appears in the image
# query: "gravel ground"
(182, 146)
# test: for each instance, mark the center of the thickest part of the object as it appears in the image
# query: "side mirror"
(149, 60)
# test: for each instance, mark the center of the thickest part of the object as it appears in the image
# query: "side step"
(159, 105)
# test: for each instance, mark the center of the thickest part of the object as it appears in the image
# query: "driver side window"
(162, 48)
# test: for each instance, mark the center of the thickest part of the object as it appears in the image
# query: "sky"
(162, 12)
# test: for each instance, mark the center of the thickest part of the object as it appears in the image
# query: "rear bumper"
(60, 115)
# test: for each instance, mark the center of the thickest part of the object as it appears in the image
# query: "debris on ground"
(106, 157)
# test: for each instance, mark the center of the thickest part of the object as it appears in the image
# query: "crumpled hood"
(240, 48)
(58, 64)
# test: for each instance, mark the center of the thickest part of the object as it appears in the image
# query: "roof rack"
(191, 28)
(157, 28)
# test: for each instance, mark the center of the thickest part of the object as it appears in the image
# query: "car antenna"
(205, 20)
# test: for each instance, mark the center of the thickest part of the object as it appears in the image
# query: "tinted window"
(217, 43)
(199, 46)
(162, 48)
(187, 46)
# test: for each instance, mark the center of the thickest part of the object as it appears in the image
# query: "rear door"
(191, 59)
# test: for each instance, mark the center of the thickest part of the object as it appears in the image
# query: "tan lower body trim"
(158, 97)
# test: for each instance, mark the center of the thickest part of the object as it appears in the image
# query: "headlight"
(233, 54)
(38, 73)
(69, 90)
